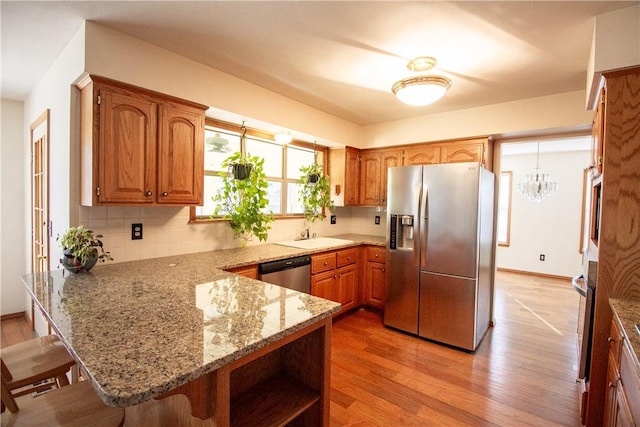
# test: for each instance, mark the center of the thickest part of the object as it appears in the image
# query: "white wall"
(119, 56)
(13, 220)
(560, 111)
(551, 227)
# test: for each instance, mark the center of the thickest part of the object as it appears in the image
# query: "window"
(282, 166)
(504, 208)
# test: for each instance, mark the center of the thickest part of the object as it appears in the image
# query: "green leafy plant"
(315, 193)
(244, 201)
(82, 249)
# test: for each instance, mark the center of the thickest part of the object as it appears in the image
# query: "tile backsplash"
(167, 231)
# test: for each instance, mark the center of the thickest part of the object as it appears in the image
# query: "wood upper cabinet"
(426, 154)
(344, 174)
(596, 135)
(469, 150)
(139, 147)
(373, 175)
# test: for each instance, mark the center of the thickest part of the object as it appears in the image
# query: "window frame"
(267, 137)
(507, 242)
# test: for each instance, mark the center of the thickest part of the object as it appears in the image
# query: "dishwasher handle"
(574, 281)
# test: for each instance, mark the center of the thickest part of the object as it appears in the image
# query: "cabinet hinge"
(98, 99)
(97, 191)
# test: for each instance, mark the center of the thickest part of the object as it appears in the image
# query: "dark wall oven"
(585, 285)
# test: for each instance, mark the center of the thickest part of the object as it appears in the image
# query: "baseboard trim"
(532, 273)
(14, 315)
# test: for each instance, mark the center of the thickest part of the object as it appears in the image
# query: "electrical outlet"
(136, 231)
(333, 219)
(542, 257)
(377, 220)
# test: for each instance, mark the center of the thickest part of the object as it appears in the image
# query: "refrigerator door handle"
(422, 212)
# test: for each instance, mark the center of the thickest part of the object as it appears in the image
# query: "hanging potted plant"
(315, 193)
(243, 201)
(81, 249)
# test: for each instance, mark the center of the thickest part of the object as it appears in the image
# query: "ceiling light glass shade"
(421, 90)
(283, 138)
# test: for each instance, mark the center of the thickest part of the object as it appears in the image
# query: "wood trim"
(14, 315)
(86, 80)
(533, 273)
(507, 242)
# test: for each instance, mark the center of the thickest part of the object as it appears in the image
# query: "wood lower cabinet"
(250, 271)
(139, 147)
(334, 276)
(375, 277)
(623, 382)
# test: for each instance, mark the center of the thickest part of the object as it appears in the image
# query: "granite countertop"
(628, 311)
(142, 328)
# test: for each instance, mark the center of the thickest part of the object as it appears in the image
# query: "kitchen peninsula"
(181, 325)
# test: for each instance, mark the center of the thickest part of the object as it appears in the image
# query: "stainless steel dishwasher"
(292, 273)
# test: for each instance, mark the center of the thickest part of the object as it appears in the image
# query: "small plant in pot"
(81, 249)
(243, 200)
(315, 193)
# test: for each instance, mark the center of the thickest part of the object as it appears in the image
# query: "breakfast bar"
(180, 325)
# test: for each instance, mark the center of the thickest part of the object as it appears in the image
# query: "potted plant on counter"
(81, 249)
(243, 201)
(315, 193)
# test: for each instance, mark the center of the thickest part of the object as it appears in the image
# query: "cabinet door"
(127, 148)
(457, 153)
(388, 159)
(181, 155)
(250, 271)
(324, 286)
(347, 280)
(610, 404)
(597, 135)
(370, 179)
(376, 287)
(351, 177)
(423, 155)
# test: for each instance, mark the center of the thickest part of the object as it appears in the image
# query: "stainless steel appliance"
(440, 252)
(585, 285)
(292, 273)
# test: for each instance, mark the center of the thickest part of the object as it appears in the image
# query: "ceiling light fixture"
(537, 185)
(283, 137)
(422, 89)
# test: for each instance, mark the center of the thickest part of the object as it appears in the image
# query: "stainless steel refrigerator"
(440, 252)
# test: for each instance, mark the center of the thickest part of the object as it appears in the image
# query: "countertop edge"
(628, 314)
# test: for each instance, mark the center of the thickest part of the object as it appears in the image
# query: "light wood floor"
(522, 374)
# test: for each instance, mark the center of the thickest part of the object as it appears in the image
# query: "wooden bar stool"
(75, 405)
(35, 365)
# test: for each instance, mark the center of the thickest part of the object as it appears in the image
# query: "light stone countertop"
(142, 328)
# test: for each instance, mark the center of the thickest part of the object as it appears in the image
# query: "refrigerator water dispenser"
(401, 232)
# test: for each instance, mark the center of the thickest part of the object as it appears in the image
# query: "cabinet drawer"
(376, 254)
(347, 257)
(323, 262)
(615, 340)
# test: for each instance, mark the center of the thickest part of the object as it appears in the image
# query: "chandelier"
(422, 89)
(537, 185)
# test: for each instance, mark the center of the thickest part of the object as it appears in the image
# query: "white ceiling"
(339, 57)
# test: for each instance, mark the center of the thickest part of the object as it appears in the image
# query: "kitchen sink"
(317, 243)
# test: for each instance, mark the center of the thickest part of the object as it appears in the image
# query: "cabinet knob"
(335, 276)
(382, 200)
(383, 270)
(377, 255)
(348, 258)
(612, 385)
(610, 339)
(165, 194)
(148, 193)
(326, 263)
